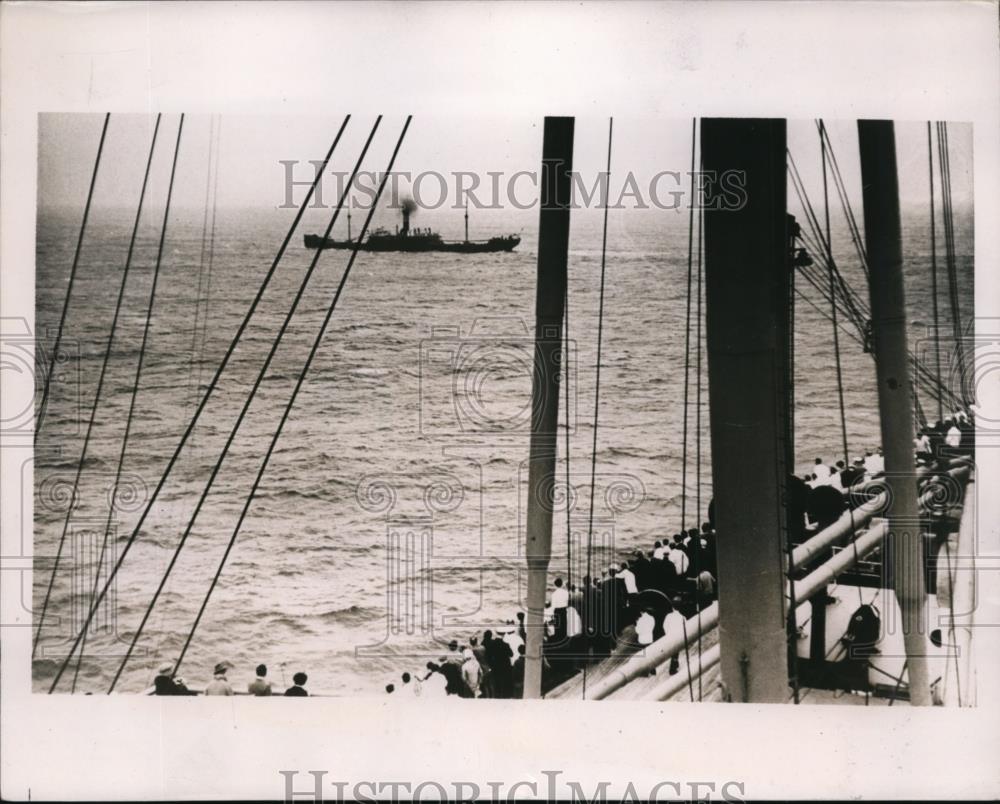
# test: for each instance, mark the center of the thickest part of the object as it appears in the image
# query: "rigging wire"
(69, 290)
(211, 255)
(687, 332)
(163, 233)
(687, 369)
(597, 384)
(697, 426)
(857, 309)
(242, 414)
(851, 300)
(934, 267)
(836, 350)
(927, 376)
(950, 257)
(93, 410)
(200, 322)
(204, 243)
(565, 368)
(852, 223)
(304, 371)
(135, 386)
(854, 307)
(204, 401)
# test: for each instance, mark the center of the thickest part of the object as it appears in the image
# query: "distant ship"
(417, 240)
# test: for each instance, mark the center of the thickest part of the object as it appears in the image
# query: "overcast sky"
(252, 148)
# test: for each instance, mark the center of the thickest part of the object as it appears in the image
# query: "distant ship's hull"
(417, 243)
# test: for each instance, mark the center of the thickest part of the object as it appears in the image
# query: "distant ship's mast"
(466, 220)
(348, 220)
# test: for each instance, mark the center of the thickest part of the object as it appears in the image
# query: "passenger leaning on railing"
(167, 684)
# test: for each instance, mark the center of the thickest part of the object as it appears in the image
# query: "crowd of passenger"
(639, 600)
(955, 434)
(653, 592)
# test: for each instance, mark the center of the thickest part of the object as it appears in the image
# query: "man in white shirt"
(679, 559)
(834, 480)
(434, 684)
(560, 600)
(659, 551)
(560, 595)
(644, 628)
(574, 625)
(472, 673)
(821, 470)
(953, 436)
(629, 577)
(513, 639)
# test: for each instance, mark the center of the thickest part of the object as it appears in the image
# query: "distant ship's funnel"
(409, 207)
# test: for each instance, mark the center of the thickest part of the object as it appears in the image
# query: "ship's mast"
(348, 221)
(883, 240)
(466, 219)
(553, 245)
(746, 293)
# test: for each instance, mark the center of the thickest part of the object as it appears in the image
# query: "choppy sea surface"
(391, 513)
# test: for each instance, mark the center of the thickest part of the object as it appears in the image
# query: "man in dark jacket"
(298, 690)
(166, 684)
(498, 656)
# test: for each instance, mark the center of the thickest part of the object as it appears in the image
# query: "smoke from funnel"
(409, 208)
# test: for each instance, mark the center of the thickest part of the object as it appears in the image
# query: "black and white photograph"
(461, 415)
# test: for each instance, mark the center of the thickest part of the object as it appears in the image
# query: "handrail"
(859, 517)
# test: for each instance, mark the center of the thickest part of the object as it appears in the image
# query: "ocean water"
(390, 518)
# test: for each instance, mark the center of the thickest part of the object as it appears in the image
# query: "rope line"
(687, 333)
(204, 245)
(201, 406)
(845, 203)
(239, 419)
(934, 266)
(135, 385)
(211, 255)
(857, 312)
(69, 287)
(569, 528)
(939, 388)
(950, 257)
(197, 334)
(836, 344)
(697, 426)
(93, 412)
(597, 384)
(305, 369)
(87, 433)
